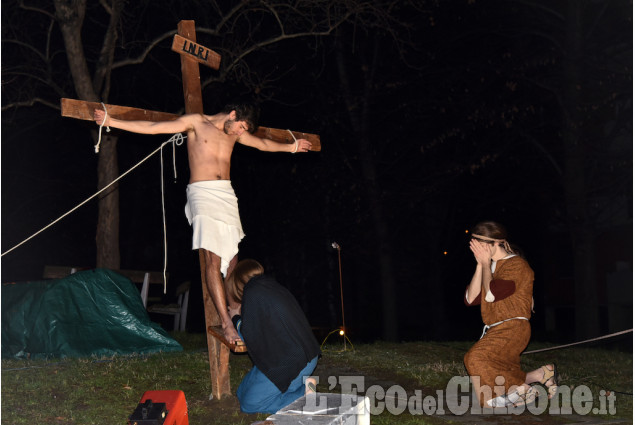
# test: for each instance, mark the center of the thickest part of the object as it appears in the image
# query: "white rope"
(100, 127)
(178, 141)
(487, 327)
(579, 342)
(174, 139)
(296, 141)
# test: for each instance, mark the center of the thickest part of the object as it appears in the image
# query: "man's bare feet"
(231, 335)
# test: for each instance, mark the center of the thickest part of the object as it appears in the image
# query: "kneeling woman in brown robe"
(503, 285)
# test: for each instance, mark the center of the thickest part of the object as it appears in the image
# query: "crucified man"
(212, 206)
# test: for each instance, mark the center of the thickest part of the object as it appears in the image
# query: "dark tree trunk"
(70, 16)
(359, 111)
(575, 184)
(108, 216)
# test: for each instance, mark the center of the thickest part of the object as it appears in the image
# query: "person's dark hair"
(247, 112)
(494, 230)
(490, 229)
(244, 270)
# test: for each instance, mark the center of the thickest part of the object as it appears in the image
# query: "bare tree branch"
(31, 102)
(106, 56)
(140, 58)
(24, 6)
(106, 6)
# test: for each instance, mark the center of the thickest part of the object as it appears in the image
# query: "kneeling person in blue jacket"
(278, 337)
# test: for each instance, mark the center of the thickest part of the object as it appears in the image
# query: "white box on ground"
(325, 409)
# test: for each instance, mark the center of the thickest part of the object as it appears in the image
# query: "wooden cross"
(218, 353)
(192, 54)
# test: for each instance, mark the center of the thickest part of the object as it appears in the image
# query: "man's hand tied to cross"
(212, 206)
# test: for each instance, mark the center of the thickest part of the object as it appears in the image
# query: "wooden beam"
(217, 332)
(83, 110)
(283, 136)
(189, 73)
(193, 50)
(217, 353)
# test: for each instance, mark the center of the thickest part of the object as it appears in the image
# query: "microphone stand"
(342, 329)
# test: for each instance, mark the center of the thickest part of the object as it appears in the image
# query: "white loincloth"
(212, 211)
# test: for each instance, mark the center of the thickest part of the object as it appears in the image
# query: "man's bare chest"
(206, 136)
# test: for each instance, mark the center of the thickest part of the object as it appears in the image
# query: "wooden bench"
(145, 279)
(58, 272)
(178, 309)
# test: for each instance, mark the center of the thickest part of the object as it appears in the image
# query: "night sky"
(444, 115)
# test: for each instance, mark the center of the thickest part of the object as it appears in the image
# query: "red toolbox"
(160, 408)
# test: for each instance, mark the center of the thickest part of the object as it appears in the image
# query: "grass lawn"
(107, 390)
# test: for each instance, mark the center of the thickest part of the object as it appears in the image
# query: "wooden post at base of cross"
(218, 353)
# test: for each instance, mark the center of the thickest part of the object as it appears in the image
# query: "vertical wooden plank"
(190, 73)
(218, 353)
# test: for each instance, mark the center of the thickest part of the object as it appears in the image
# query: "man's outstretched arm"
(268, 145)
(180, 125)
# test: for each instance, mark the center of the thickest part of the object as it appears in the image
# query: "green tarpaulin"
(93, 312)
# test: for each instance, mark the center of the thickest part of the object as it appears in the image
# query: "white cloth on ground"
(212, 211)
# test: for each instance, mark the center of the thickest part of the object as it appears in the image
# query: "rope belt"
(487, 327)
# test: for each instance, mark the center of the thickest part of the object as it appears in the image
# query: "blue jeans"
(257, 394)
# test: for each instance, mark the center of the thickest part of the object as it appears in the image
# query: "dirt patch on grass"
(227, 411)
